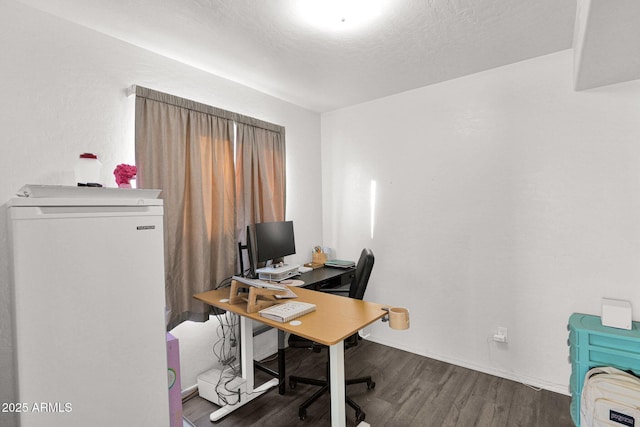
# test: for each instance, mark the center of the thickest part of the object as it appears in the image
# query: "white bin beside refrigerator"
(88, 290)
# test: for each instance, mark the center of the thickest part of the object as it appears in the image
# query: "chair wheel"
(302, 414)
(292, 383)
(371, 385)
(360, 416)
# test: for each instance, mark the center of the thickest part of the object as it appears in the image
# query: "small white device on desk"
(277, 274)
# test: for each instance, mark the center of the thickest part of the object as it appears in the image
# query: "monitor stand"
(277, 274)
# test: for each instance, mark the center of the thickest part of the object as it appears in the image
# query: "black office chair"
(355, 290)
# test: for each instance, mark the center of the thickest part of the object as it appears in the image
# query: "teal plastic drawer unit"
(592, 345)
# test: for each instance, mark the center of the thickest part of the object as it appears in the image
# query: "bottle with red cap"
(88, 170)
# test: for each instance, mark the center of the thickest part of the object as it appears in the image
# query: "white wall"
(64, 92)
(504, 198)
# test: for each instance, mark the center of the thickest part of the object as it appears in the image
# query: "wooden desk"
(316, 279)
(335, 319)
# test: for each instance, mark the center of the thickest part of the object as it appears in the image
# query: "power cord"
(225, 349)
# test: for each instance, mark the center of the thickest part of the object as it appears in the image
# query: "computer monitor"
(274, 240)
(269, 241)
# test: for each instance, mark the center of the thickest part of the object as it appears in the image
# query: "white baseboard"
(512, 376)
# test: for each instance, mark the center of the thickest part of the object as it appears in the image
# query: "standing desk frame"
(334, 319)
(316, 279)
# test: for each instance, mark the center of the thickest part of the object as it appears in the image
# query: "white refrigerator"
(89, 321)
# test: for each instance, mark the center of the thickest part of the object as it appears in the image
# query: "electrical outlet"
(500, 335)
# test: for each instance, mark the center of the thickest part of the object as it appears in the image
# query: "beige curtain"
(260, 175)
(260, 178)
(189, 155)
(186, 149)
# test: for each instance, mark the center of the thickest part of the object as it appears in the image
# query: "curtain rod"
(158, 96)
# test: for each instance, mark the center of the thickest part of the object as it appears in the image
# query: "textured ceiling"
(268, 46)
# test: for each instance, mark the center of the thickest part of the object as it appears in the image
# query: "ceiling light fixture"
(338, 15)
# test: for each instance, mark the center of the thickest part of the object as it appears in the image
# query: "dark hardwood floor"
(410, 390)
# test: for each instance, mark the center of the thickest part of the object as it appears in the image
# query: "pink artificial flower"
(124, 173)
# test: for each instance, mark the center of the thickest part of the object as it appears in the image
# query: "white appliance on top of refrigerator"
(89, 320)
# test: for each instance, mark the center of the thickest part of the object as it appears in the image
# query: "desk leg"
(282, 376)
(246, 360)
(246, 351)
(338, 394)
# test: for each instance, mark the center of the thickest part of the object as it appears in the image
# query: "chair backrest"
(363, 272)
